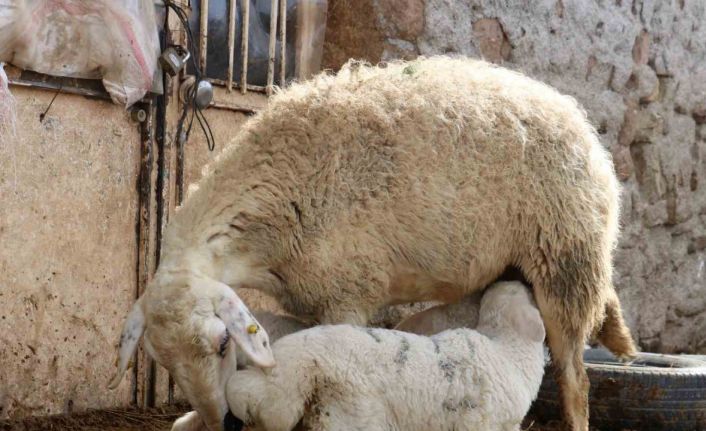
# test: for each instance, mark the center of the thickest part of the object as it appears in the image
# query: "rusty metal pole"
(231, 42)
(203, 36)
(282, 41)
(273, 45)
(244, 46)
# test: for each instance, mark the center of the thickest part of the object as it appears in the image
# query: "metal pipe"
(250, 87)
(282, 41)
(231, 42)
(203, 36)
(233, 107)
(273, 45)
(64, 88)
(244, 46)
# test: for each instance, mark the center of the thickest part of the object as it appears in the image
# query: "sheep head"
(190, 324)
(509, 305)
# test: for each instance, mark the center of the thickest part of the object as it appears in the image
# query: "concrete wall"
(639, 68)
(68, 205)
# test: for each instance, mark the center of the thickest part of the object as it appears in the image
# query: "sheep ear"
(130, 337)
(528, 323)
(244, 329)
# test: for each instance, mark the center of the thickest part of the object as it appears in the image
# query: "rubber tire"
(654, 392)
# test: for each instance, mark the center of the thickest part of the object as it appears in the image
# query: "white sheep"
(277, 326)
(463, 314)
(409, 182)
(353, 378)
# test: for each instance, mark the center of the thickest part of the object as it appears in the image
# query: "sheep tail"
(614, 333)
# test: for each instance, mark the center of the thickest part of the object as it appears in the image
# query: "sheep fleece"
(414, 181)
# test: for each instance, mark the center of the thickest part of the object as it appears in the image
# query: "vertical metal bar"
(231, 42)
(142, 372)
(144, 184)
(161, 193)
(244, 46)
(203, 35)
(151, 259)
(273, 45)
(282, 41)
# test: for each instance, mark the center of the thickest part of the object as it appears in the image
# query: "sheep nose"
(231, 423)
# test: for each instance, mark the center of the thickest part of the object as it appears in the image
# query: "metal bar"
(235, 107)
(282, 41)
(149, 394)
(231, 42)
(180, 171)
(203, 36)
(273, 45)
(18, 82)
(250, 87)
(162, 189)
(244, 46)
(144, 245)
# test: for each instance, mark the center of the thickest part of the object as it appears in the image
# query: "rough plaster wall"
(67, 228)
(639, 68)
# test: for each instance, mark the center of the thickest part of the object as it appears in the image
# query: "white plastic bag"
(113, 40)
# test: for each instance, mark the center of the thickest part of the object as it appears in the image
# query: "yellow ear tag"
(252, 329)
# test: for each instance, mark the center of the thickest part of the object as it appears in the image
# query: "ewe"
(400, 183)
(345, 377)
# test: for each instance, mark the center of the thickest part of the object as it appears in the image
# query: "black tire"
(653, 392)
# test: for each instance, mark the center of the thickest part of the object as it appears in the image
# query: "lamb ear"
(130, 337)
(244, 329)
(527, 321)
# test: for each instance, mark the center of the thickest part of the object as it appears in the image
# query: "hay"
(129, 419)
(155, 419)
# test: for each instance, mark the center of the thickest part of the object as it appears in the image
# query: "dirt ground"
(157, 419)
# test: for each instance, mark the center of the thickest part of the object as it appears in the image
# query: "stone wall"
(639, 68)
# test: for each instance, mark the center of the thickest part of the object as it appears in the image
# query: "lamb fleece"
(353, 378)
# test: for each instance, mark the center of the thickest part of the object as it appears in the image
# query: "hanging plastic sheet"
(112, 40)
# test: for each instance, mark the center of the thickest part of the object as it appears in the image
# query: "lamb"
(413, 181)
(463, 314)
(345, 377)
(276, 326)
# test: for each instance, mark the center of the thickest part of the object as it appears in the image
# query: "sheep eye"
(223, 346)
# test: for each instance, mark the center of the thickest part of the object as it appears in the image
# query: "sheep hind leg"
(569, 299)
(567, 359)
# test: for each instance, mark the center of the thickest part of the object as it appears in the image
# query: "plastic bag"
(113, 40)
